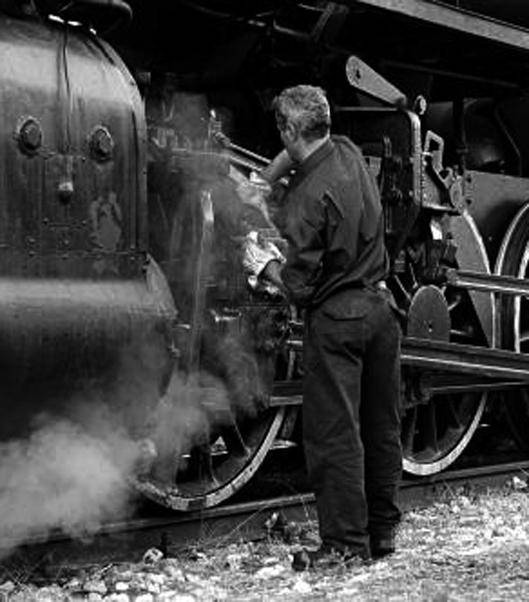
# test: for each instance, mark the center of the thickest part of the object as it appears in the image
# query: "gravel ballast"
(469, 546)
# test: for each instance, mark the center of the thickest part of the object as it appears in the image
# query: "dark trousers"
(351, 417)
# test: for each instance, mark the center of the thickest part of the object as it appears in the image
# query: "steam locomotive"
(122, 217)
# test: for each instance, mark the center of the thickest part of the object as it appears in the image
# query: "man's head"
(303, 118)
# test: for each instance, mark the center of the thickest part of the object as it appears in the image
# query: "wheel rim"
(435, 433)
(207, 474)
(232, 430)
(513, 322)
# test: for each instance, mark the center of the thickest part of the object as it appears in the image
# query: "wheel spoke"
(414, 284)
(402, 289)
(455, 302)
(461, 334)
(410, 430)
(431, 438)
(233, 439)
(454, 413)
(201, 463)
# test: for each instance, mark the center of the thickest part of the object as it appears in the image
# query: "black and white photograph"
(264, 300)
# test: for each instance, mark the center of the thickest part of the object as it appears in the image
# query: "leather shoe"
(324, 557)
(382, 547)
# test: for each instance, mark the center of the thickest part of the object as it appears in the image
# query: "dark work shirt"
(333, 224)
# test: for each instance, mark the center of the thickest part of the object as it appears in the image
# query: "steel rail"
(128, 540)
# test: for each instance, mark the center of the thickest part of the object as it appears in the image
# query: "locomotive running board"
(454, 18)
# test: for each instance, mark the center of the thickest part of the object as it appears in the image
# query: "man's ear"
(291, 130)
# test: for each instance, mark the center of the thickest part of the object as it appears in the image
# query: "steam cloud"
(73, 471)
(61, 477)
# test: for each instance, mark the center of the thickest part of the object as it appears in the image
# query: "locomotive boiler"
(78, 284)
(125, 213)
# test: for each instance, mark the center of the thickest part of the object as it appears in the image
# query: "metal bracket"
(364, 79)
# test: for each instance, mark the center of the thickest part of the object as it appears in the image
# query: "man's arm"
(299, 275)
(279, 167)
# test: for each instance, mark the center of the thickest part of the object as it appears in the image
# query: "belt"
(380, 285)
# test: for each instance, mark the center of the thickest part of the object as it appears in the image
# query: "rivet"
(101, 144)
(29, 135)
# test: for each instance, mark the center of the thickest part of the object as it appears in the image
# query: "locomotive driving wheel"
(513, 322)
(437, 428)
(213, 470)
(212, 428)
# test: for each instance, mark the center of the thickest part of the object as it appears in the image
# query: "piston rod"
(443, 356)
(434, 385)
(491, 283)
(465, 359)
(454, 368)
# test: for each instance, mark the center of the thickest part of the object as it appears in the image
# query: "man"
(335, 268)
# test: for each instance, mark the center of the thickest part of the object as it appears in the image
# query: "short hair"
(307, 108)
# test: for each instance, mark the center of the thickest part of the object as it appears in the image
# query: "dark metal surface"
(493, 200)
(453, 18)
(44, 324)
(77, 286)
(64, 212)
(514, 11)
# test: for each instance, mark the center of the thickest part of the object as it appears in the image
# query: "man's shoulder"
(345, 147)
(344, 141)
(337, 171)
(345, 154)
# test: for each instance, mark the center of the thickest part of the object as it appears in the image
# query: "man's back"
(333, 202)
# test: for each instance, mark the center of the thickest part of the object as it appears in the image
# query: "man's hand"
(258, 253)
(263, 260)
(272, 273)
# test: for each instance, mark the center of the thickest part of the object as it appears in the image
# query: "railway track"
(128, 540)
